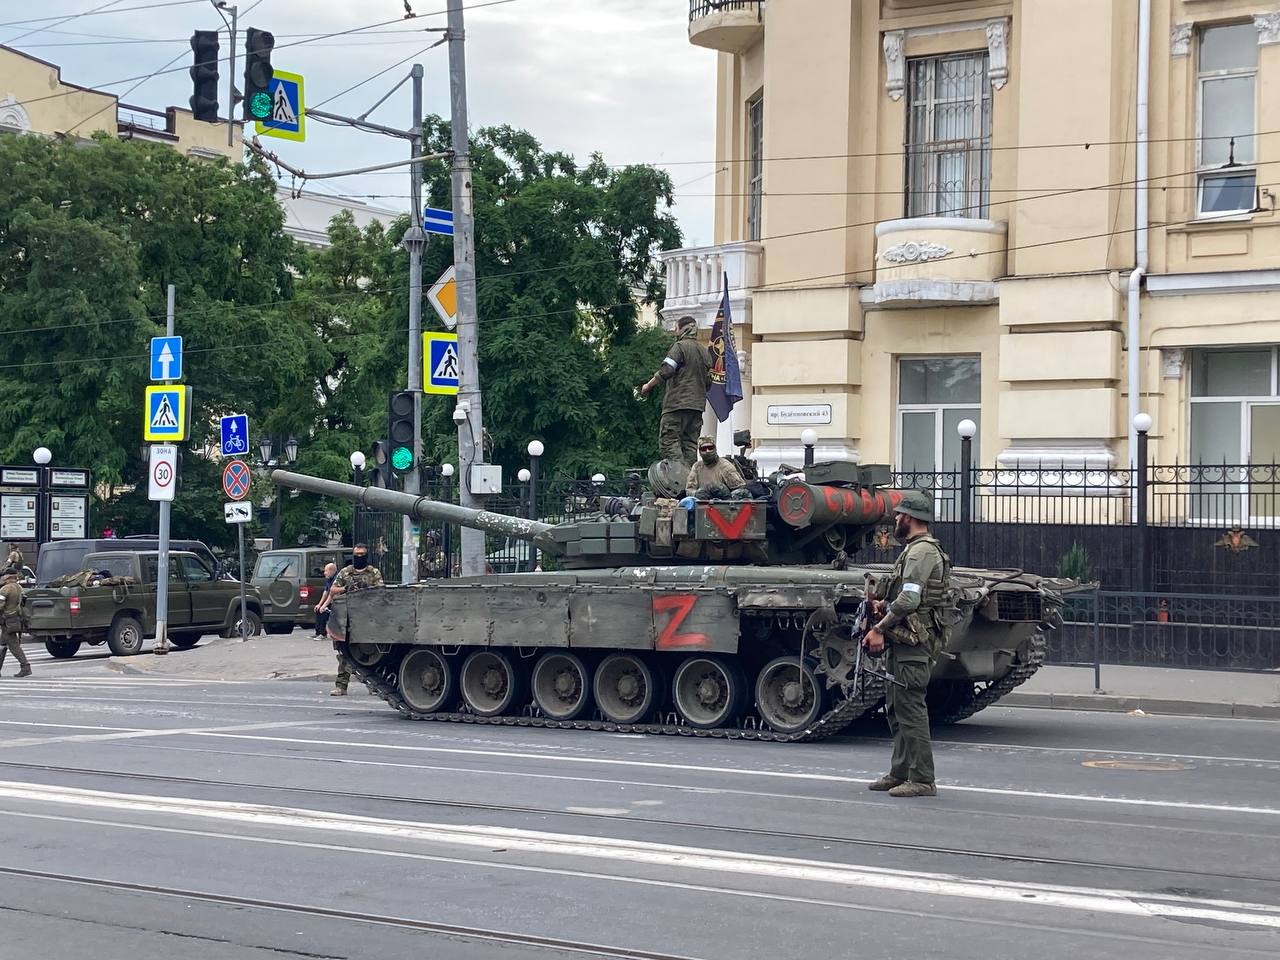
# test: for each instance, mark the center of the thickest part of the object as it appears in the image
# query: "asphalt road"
(153, 818)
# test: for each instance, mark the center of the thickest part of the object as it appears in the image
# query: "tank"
(723, 618)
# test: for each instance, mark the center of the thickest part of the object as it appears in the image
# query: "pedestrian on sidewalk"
(11, 621)
(322, 608)
(357, 575)
(914, 619)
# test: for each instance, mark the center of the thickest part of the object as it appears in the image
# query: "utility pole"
(415, 240)
(470, 429)
(162, 562)
(221, 5)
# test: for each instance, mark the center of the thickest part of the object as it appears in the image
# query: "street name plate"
(800, 413)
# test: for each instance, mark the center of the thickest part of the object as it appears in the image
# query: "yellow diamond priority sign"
(444, 297)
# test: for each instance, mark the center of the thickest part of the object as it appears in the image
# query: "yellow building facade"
(35, 99)
(931, 211)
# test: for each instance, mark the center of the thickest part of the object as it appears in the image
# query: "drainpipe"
(1141, 228)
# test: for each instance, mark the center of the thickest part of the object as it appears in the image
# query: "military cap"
(916, 503)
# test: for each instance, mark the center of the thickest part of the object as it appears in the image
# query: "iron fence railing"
(704, 8)
(1205, 631)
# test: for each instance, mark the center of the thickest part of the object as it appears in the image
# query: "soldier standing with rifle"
(358, 575)
(914, 623)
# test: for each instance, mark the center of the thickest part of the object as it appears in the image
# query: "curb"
(139, 672)
(1109, 703)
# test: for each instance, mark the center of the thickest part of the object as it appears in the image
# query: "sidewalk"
(1197, 693)
(1201, 693)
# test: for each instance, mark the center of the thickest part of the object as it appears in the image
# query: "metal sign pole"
(162, 565)
(243, 628)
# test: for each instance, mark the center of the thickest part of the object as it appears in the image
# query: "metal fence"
(1174, 528)
(1207, 631)
(704, 8)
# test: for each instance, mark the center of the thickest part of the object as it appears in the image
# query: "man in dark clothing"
(686, 371)
(322, 608)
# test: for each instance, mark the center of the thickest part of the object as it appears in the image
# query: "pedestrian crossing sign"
(165, 413)
(288, 118)
(441, 367)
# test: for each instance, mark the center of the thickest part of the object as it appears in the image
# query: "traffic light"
(257, 74)
(400, 430)
(204, 76)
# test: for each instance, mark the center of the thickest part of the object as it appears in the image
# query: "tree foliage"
(309, 342)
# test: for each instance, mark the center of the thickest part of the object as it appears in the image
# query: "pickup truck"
(113, 601)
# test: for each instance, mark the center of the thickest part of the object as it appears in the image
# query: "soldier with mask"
(686, 370)
(357, 575)
(915, 619)
(11, 621)
(713, 477)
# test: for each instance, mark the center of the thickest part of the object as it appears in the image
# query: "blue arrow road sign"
(166, 358)
(437, 221)
(235, 435)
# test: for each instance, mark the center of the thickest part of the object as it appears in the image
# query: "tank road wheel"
(625, 688)
(368, 655)
(561, 686)
(491, 683)
(426, 680)
(708, 692)
(789, 697)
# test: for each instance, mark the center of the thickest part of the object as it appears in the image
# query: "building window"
(948, 136)
(755, 165)
(1226, 107)
(934, 395)
(1235, 433)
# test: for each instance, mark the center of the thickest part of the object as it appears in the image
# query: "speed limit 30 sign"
(164, 472)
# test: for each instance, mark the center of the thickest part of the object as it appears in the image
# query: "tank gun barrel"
(420, 508)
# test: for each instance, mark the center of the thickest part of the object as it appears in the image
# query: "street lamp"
(535, 449)
(291, 450)
(808, 437)
(446, 471)
(264, 450)
(357, 468)
(42, 456)
(967, 430)
(266, 446)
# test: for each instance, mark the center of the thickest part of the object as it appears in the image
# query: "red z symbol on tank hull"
(679, 607)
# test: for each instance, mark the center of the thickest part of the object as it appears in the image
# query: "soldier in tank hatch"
(358, 575)
(686, 370)
(712, 477)
(915, 623)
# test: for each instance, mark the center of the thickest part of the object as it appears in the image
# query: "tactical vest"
(929, 626)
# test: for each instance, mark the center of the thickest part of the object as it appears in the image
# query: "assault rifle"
(865, 663)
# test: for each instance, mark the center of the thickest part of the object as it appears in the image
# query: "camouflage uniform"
(349, 579)
(686, 371)
(11, 623)
(715, 480)
(432, 563)
(917, 598)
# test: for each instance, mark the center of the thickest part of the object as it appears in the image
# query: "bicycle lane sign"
(235, 435)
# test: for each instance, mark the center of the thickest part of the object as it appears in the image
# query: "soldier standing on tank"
(713, 477)
(913, 624)
(686, 370)
(357, 575)
(11, 621)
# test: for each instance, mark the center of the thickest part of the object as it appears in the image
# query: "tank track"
(383, 682)
(993, 691)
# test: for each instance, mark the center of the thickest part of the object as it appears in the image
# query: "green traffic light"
(260, 105)
(402, 458)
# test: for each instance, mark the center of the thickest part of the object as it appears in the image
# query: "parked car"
(114, 603)
(291, 582)
(60, 558)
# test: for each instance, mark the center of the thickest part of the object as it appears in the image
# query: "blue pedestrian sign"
(288, 118)
(439, 221)
(165, 413)
(442, 368)
(166, 358)
(235, 435)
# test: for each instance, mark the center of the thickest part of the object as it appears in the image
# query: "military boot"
(913, 789)
(887, 782)
(25, 670)
(338, 692)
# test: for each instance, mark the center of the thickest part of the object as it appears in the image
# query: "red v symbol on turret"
(732, 529)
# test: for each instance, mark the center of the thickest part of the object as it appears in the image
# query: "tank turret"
(791, 521)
